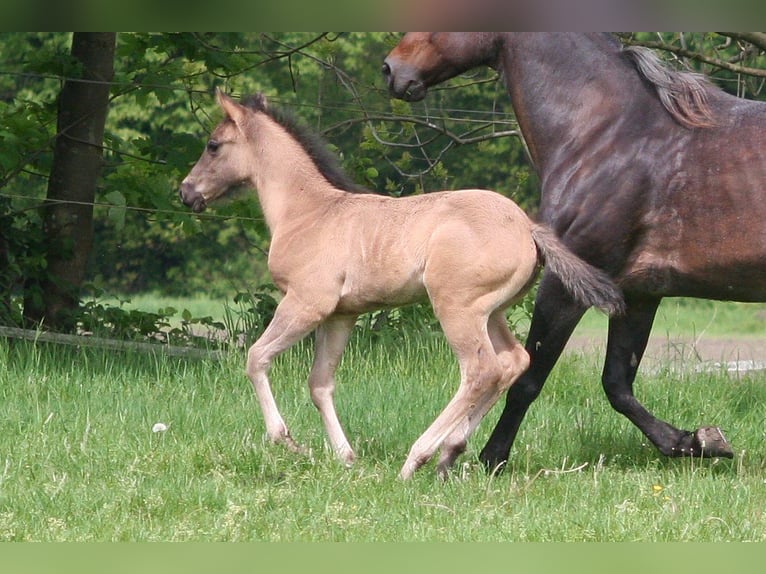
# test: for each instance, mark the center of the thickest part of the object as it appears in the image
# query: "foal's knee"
(320, 395)
(257, 362)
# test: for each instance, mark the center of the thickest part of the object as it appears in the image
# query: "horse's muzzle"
(400, 85)
(192, 198)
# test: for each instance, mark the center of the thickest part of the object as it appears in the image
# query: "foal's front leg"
(292, 321)
(331, 339)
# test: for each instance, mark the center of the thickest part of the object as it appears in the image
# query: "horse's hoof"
(494, 464)
(710, 443)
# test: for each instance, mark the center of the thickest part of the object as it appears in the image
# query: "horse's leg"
(481, 373)
(331, 339)
(553, 320)
(514, 360)
(291, 322)
(628, 336)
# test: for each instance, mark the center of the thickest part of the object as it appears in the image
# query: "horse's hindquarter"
(704, 233)
(479, 250)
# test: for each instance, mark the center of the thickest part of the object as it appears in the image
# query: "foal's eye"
(212, 146)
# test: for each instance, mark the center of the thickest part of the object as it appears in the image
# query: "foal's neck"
(288, 182)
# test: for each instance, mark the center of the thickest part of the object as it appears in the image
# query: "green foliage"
(101, 319)
(249, 314)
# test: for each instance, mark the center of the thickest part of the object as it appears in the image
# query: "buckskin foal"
(336, 254)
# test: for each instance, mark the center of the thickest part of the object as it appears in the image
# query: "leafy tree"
(75, 169)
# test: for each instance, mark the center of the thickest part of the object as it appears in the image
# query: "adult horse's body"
(336, 254)
(655, 176)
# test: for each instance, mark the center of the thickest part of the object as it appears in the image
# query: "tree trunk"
(77, 158)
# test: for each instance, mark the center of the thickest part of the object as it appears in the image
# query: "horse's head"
(423, 59)
(224, 163)
(404, 66)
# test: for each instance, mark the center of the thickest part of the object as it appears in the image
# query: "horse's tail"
(588, 285)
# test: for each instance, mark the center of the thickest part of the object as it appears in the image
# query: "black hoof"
(493, 463)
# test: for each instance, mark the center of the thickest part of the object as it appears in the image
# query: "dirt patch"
(733, 353)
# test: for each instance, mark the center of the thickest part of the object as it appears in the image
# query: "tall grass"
(79, 460)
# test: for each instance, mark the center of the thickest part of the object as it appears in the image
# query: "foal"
(336, 254)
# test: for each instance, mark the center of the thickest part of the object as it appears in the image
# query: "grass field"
(79, 460)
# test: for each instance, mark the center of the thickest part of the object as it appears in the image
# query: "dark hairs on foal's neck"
(312, 143)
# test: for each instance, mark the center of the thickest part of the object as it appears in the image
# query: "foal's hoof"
(406, 472)
(346, 457)
(293, 446)
(706, 442)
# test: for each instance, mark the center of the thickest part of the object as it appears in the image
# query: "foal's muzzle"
(192, 198)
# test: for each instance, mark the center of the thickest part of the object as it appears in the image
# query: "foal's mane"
(683, 94)
(313, 144)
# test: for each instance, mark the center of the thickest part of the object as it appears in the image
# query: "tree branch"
(692, 55)
(757, 39)
(441, 131)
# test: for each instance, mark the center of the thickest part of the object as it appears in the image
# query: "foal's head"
(225, 163)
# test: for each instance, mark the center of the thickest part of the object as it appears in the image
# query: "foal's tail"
(588, 285)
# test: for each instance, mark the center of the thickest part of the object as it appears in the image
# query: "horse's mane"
(683, 94)
(313, 143)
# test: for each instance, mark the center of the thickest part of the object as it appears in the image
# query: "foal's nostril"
(386, 69)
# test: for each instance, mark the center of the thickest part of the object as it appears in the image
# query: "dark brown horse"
(653, 175)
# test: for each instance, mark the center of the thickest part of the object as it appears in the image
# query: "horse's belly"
(730, 279)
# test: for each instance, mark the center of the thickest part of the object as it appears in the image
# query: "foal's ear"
(260, 102)
(232, 109)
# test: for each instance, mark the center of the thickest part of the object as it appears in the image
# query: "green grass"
(201, 306)
(79, 460)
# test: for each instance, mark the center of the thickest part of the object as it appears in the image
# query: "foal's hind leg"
(331, 339)
(481, 373)
(290, 324)
(514, 361)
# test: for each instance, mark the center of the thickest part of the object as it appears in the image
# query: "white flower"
(159, 427)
